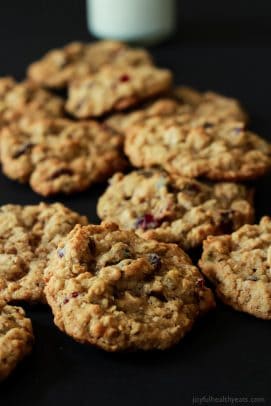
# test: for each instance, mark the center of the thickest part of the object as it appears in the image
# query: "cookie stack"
(127, 283)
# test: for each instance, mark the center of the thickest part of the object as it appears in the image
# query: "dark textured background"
(220, 45)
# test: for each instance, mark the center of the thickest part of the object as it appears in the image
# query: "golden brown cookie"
(175, 209)
(239, 266)
(61, 156)
(110, 288)
(16, 338)
(210, 106)
(25, 101)
(28, 234)
(224, 151)
(60, 66)
(162, 106)
(115, 88)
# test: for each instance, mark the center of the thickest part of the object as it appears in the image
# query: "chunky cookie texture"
(224, 151)
(120, 122)
(61, 156)
(16, 338)
(115, 88)
(25, 101)
(60, 66)
(204, 109)
(210, 106)
(175, 209)
(28, 235)
(110, 288)
(239, 266)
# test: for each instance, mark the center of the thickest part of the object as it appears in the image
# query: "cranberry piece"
(155, 260)
(147, 221)
(125, 78)
(200, 283)
(72, 295)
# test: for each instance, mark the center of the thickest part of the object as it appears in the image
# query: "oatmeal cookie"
(174, 209)
(224, 151)
(25, 100)
(110, 288)
(239, 266)
(60, 156)
(60, 66)
(16, 338)
(115, 88)
(205, 108)
(120, 122)
(210, 106)
(28, 234)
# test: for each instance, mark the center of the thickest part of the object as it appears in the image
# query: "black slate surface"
(223, 46)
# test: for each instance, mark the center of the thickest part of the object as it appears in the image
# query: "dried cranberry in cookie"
(115, 88)
(61, 66)
(175, 209)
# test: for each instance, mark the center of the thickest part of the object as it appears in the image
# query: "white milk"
(131, 20)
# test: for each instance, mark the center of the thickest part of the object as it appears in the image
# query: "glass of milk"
(143, 21)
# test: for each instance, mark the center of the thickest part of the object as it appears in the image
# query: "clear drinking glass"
(145, 21)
